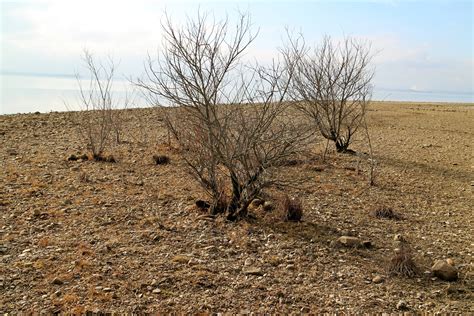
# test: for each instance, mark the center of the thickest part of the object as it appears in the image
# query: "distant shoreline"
(388, 102)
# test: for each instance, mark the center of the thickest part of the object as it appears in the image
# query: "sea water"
(31, 93)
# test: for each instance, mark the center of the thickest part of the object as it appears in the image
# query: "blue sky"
(419, 45)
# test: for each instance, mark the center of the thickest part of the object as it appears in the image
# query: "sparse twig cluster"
(99, 118)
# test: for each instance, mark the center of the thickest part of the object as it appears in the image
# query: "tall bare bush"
(332, 85)
(98, 118)
(227, 118)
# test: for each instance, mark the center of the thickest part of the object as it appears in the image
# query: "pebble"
(402, 305)
(107, 289)
(252, 271)
(248, 262)
(156, 291)
(290, 267)
(268, 206)
(349, 241)
(3, 250)
(305, 310)
(377, 279)
(57, 281)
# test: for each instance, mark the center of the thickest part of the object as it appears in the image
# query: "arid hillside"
(80, 236)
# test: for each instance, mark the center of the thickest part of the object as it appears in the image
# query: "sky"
(418, 45)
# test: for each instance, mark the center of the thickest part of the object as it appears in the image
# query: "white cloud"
(65, 27)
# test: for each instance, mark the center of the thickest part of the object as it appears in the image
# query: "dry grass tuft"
(103, 158)
(161, 159)
(403, 264)
(386, 212)
(293, 208)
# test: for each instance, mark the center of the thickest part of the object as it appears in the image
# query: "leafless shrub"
(228, 119)
(161, 159)
(98, 118)
(386, 212)
(292, 208)
(94, 119)
(403, 264)
(372, 162)
(331, 85)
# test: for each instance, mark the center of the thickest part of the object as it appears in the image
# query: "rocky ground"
(81, 236)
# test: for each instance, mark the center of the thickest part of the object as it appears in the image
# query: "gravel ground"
(80, 236)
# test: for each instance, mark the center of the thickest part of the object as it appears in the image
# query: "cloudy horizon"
(419, 46)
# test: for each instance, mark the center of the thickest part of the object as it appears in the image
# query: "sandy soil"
(81, 236)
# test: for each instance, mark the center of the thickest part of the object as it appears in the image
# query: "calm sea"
(24, 94)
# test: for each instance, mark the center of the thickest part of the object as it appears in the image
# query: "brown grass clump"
(161, 159)
(103, 158)
(403, 264)
(386, 212)
(293, 209)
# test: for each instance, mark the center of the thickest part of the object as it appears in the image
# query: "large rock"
(349, 241)
(444, 271)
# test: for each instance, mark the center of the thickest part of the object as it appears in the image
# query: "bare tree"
(332, 85)
(94, 119)
(97, 118)
(227, 118)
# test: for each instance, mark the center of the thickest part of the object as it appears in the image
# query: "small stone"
(107, 289)
(154, 282)
(156, 291)
(57, 281)
(290, 267)
(268, 206)
(248, 262)
(444, 271)
(450, 262)
(349, 241)
(399, 238)
(377, 279)
(305, 310)
(402, 305)
(252, 271)
(3, 250)
(256, 203)
(181, 259)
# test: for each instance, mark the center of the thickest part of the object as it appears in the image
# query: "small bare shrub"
(161, 159)
(98, 117)
(386, 212)
(292, 208)
(403, 264)
(331, 85)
